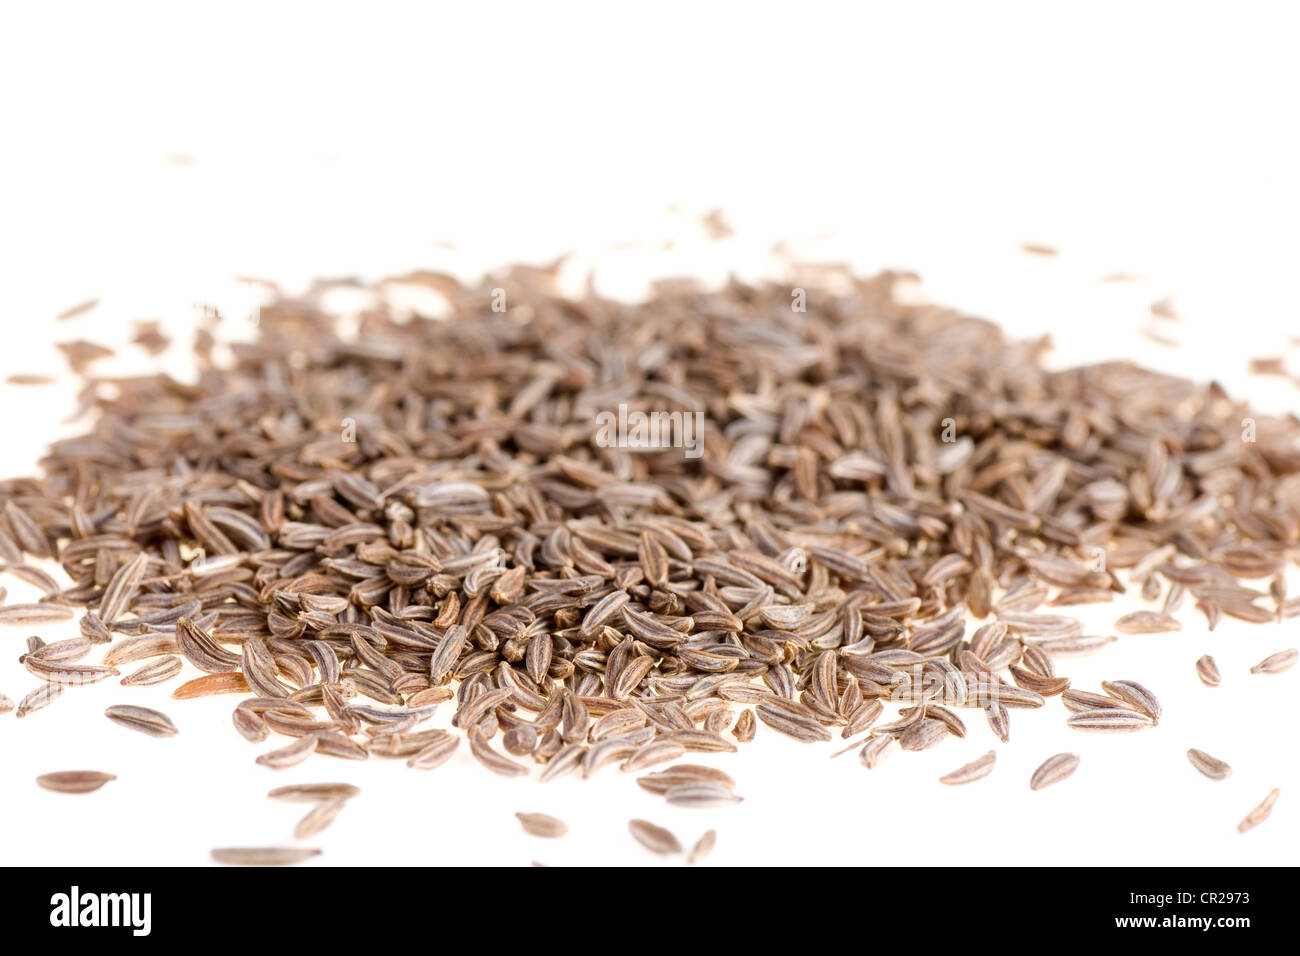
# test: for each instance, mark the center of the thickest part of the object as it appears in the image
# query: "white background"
(150, 153)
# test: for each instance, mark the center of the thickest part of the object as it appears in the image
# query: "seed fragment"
(1208, 671)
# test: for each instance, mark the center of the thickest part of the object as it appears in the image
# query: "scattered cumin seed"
(542, 825)
(654, 838)
(74, 781)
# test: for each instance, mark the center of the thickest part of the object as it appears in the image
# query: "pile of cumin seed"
(356, 529)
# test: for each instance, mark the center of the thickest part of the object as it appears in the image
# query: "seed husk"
(542, 825)
(1053, 770)
(6, 704)
(74, 781)
(1208, 671)
(1260, 813)
(977, 769)
(654, 838)
(1211, 767)
(262, 855)
(1277, 663)
(142, 719)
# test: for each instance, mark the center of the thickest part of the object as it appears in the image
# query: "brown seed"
(318, 818)
(155, 672)
(1211, 767)
(1109, 721)
(683, 774)
(1053, 770)
(262, 855)
(654, 838)
(314, 792)
(208, 684)
(876, 750)
(1260, 813)
(497, 763)
(27, 615)
(977, 769)
(1135, 696)
(923, 735)
(542, 825)
(701, 796)
(74, 781)
(290, 756)
(1208, 671)
(1277, 663)
(435, 754)
(703, 847)
(42, 696)
(146, 721)
(1146, 622)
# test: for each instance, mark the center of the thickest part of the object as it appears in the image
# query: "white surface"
(1154, 139)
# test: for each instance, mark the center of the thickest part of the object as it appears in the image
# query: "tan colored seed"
(262, 855)
(1211, 767)
(1277, 663)
(1260, 813)
(977, 769)
(542, 825)
(703, 846)
(1053, 770)
(654, 838)
(141, 719)
(74, 781)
